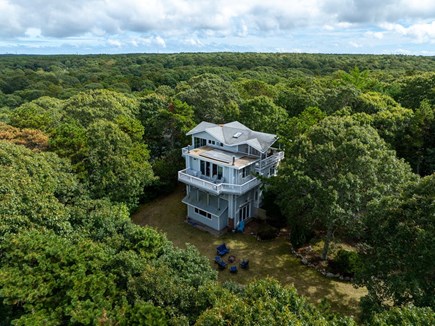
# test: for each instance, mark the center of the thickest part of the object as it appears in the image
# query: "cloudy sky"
(124, 26)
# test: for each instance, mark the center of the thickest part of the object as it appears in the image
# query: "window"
(246, 171)
(220, 172)
(203, 213)
(199, 142)
(211, 142)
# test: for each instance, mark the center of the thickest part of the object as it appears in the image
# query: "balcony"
(272, 160)
(188, 176)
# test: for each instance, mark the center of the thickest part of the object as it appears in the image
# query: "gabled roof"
(235, 133)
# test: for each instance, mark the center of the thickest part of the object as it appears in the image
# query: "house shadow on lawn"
(266, 258)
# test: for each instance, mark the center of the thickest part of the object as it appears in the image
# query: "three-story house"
(222, 165)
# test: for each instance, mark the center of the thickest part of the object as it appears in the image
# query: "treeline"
(84, 139)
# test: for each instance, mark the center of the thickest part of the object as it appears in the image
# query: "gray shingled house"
(220, 175)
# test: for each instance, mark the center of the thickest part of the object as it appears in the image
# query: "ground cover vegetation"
(85, 139)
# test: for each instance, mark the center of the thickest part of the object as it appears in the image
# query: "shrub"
(267, 232)
(345, 262)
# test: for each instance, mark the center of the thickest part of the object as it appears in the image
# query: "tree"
(116, 167)
(360, 79)
(167, 122)
(34, 190)
(90, 106)
(333, 171)
(398, 258)
(415, 89)
(266, 302)
(249, 88)
(31, 138)
(43, 113)
(212, 98)
(417, 144)
(261, 114)
(408, 316)
(50, 279)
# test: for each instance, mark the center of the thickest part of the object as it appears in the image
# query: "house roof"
(235, 133)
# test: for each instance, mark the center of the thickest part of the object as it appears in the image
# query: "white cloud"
(33, 32)
(157, 24)
(115, 43)
(420, 32)
(376, 35)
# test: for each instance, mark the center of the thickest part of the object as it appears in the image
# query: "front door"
(244, 212)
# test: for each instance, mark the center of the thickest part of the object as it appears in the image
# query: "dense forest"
(85, 139)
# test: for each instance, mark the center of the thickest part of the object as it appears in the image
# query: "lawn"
(266, 258)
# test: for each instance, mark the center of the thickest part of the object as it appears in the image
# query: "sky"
(172, 26)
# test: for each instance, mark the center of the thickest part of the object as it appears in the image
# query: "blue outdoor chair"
(244, 264)
(218, 260)
(222, 250)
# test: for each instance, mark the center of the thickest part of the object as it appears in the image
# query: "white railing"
(217, 188)
(184, 150)
(229, 188)
(185, 177)
(269, 161)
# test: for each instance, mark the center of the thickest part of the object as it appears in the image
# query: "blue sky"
(167, 26)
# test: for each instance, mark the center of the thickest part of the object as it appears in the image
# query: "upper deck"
(220, 157)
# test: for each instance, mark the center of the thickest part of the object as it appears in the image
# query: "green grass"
(266, 258)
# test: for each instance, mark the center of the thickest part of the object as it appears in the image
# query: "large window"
(199, 142)
(203, 213)
(210, 170)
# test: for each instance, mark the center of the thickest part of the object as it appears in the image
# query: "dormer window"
(237, 134)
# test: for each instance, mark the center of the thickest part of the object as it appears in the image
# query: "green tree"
(398, 258)
(213, 99)
(34, 189)
(266, 302)
(116, 167)
(333, 171)
(261, 114)
(43, 113)
(415, 89)
(406, 316)
(87, 107)
(249, 88)
(360, 79)
(418, 142)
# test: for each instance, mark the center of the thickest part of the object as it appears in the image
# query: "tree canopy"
(333, 171)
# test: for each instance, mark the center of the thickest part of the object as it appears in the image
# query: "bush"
(267, 232)
(300, 234)
(345, 262)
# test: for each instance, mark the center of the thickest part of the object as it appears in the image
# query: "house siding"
(220, 202)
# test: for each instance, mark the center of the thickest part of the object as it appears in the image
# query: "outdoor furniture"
(244, 264)
(218, 260)
(233, 269)
(222, 250)
(241, 227)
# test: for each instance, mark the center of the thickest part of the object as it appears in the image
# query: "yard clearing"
(266, 258)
